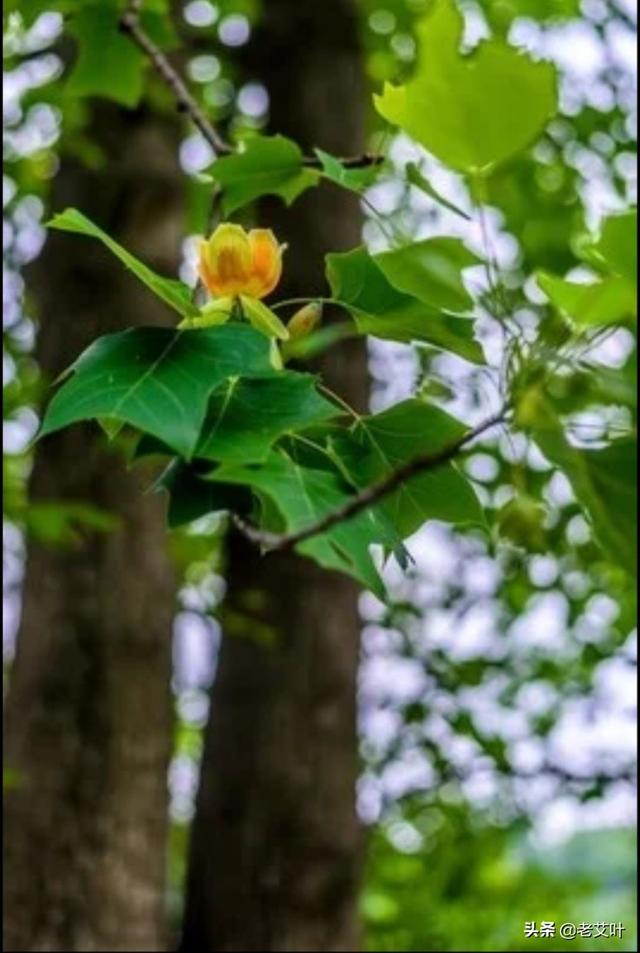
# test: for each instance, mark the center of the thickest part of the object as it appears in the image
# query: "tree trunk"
(275, 857)
(88, 715)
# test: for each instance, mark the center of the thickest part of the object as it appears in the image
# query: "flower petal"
(226, 260)
(266, 266)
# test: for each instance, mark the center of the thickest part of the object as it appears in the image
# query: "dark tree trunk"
(276, 848)
(88, 715)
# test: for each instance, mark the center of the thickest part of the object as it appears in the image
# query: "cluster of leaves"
(212, 399)
(241, 434)
(463, 883)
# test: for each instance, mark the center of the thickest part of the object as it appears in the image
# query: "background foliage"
(505, 647)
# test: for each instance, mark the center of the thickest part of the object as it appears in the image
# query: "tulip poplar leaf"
(354, 180)
(616, 249)
(268, 165)
(378, 308)
(472, 111)
(431, 270)
(191, 497)
(157, 379)
(377, 445)
(109, 64)
(303, 495)
(174, 293)
(605, 482)
(247, 415)
(610, 301)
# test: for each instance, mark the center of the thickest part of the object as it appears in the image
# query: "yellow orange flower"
(234, 262)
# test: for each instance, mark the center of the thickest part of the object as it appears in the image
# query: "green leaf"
(355, 180)
(617, 247)
(303, 495)
(61, 523)
(610, 301)
(612, 498)
(540, 206)
(604, 481)
(591, 385)
(174, 293)
(312, 449)
(379, 444)
(417, 179)
(157, 379)
(379, 309)
(108, 63)
(431, 271)
(11, 779)
(246, 416)
(267, 166)
(522, 520)
(30, 10)
(471, 111)
(191, 498)
(148, 446)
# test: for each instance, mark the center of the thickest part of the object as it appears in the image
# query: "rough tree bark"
(276, 847)
(88, 715)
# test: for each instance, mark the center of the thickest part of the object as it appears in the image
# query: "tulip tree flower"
(238, 269)
(234, 262)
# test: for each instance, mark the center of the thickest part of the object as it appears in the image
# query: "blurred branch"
(566, 776)
(421, 463)
(618, 11)
(131, 25)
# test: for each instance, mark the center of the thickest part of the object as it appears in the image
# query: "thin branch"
(364, 161)
(130, 24)
(276, 542)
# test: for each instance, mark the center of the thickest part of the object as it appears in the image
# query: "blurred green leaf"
(61, 523)
(610, 301)
(431, 271)
(471, 111)
(10, 779)
(616, 249)
(108, 64)
(604, 481)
